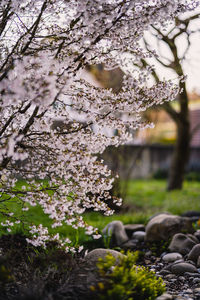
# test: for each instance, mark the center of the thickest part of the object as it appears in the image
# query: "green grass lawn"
(145, 197)
(150, 196)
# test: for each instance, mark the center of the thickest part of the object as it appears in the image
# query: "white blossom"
(44, 47)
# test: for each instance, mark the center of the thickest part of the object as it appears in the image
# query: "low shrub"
(126, 280)
(193, 176)
(158, 247)
(5, 274)
(161, 173)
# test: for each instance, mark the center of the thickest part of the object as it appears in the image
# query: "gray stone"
(173, 280)
(130, 228)
(190, 261)
(194, 238)
(164, 226)
(198, 262)
(181, 243)
(163, 254)
(148, 253)
(197, 234)
(182, 278)
(164, 272)
(158, 214)
(167, 267)
(117, 231)
(139, 235)
(192, 274)
(152, 269)
(131, 244)
(165, 296)
(171, 257)
(181, 268)
(170, 276)
(188, 291)
(93, 256)
(194, 253)
(179, 260)
(196, 280)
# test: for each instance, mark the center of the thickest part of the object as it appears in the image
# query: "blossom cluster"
(53, 122)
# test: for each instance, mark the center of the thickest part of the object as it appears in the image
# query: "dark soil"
(34, 273)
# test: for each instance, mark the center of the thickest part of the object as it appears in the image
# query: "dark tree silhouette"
(180, 28)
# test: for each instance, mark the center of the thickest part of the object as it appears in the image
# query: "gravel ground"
(36, 274)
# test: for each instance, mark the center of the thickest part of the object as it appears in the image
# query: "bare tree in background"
(181, 28)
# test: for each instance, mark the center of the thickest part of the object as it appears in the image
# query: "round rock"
(130, 228)
(171, 257)
(181, 268)
(198, 262)
(196, 280)
(164, 226)
(165, 296)
(193, 237)
(181, 243)
(197, 234)
(94, 255)
(117, 231)
(139, 235)
(194, 253)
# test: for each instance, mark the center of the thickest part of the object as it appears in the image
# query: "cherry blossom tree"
(45, 45)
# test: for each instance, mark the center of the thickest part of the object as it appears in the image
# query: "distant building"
(164, 131)
(195, 126)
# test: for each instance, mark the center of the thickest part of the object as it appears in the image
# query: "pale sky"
(191, 64)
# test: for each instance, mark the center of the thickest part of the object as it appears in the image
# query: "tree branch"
(35, 27)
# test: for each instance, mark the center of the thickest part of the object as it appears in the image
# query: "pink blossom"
(53, 122)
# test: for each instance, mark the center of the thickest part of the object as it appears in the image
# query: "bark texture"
(180, 156)
(181, 152)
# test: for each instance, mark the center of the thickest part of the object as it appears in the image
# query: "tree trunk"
(180, 155)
